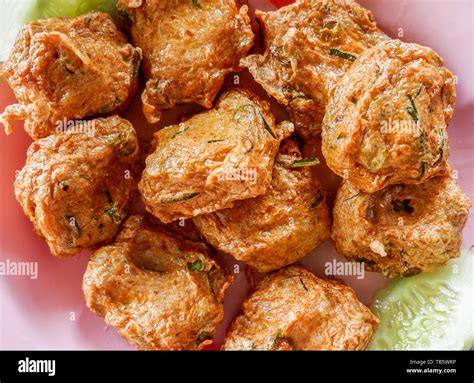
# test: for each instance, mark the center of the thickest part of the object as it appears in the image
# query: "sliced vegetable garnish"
(181, 199)
(429, 311)
(402, 206)
(197, 266)
(412, 109)
(45, 9)
(282, 343)
(341, 54)
(305, 162)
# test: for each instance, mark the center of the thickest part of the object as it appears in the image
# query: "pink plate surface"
(49, 312)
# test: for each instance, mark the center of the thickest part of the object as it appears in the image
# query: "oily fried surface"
(213, 159)
(292, 309)
(76, 186)
(278, 228)
(309, 45)
(189, 46)
(68, 68)
(403, 229)
(387, 117)
(159, 290)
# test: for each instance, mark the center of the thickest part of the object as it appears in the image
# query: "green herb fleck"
(423, 168)
(442, 139)
(213, 141)
(402, 206)
(176, 134)
(282, 343)
(112, 211)
(267, 127)
(305, 162)
(317, 200)
(181, 199)
(197, 4)
(412, 109)
(303, 285)
(197, 266)
(202, 337)
(341, 54)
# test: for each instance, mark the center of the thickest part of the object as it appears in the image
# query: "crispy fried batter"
(403, 229)
(292, 309)
(76, 186)
(279, 227)
(159, 290)
(66, 68)
(213, 159)
(387, 117)
(309, 45)
(189, 46)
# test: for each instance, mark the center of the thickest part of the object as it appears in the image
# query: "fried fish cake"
(403, 229)
(292, 309)
(68, 68)
(309, 45)
(189, 47)
(278, 228)
(213, 159)
(159, 290)
(76, 186)
(387, 117)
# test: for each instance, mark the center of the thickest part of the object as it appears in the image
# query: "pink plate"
(49, 312)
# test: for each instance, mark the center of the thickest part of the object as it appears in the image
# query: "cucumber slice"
(15, 13)
(45, 9)
(429, 311)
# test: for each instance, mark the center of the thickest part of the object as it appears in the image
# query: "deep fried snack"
(189, 46)
(309, 45)
(213, 159)
(76, 186)
(159, 290)
(401, 230)
(292, 309)
(68, 69)
(279, 227)
(386, 120)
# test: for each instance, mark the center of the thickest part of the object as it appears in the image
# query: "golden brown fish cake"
(189, 47)
(386, 120)
(403, 229)
(68, 68)
(76, 186)
(308, 46)
(279, 227)
(213, 159)
(159, 290)
(292, 309)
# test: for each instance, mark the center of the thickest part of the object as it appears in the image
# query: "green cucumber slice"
(429, 311)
